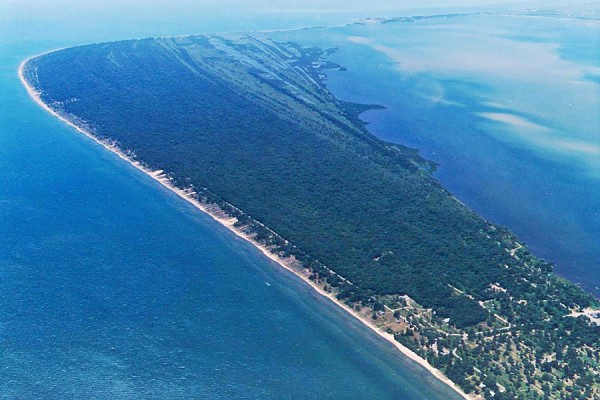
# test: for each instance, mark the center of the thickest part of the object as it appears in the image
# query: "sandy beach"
(228, 222)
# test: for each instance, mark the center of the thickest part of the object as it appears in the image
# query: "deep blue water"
(508, 106)
(112, 287)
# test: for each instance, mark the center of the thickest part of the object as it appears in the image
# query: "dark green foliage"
(205, 111)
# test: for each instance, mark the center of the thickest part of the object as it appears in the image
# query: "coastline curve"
(229, 224)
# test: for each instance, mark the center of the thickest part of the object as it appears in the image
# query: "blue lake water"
(509, 106)
(112, 287)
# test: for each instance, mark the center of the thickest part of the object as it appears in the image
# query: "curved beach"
(229, 224)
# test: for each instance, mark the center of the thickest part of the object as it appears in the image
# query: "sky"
(59, 19)
(42, 7)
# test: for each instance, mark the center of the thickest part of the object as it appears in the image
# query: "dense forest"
(250, 123)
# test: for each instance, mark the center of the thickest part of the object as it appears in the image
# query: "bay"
(508, 105)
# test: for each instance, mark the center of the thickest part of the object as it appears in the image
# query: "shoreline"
(228, 222)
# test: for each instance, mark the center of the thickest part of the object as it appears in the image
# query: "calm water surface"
(509, 106)
(112, 287)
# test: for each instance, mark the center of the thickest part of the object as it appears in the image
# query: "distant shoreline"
(228, 222)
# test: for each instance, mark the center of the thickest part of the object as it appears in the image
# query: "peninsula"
(245, 129)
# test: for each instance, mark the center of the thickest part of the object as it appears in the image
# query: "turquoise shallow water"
(112, 287)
